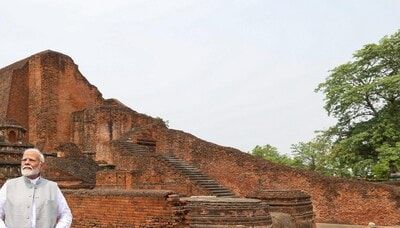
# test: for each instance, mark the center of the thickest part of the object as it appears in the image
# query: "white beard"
(29, 172)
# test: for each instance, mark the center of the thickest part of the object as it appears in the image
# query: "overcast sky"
(238, 73)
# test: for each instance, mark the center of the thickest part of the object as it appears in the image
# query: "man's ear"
(43, 165)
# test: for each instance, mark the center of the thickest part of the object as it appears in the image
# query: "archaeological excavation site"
(118, 167)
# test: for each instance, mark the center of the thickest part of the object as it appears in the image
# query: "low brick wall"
(124, 208)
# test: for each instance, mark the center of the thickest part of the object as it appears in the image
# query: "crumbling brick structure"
(41, 92)
(84, 134)
(335, 200)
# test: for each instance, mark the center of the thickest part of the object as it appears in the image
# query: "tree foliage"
(313, 155)
(271, 153)
(364, 95)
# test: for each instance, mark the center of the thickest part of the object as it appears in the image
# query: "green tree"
(364, 96)
(271, 153)
(313, 155)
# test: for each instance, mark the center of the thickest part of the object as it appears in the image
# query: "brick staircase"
(198, 177)
(128, 148)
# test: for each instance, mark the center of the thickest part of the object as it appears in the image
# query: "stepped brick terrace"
(121, 168)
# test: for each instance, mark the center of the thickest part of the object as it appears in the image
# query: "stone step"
(206, 181)
(201, 179)
(226, 196)
(188, 169)
(216, 188)
(195, 174)
(197, 178)
(212, 186)
(222, 193)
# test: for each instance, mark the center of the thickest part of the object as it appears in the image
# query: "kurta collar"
(32, 183)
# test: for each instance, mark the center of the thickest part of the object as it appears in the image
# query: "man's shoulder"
(22, 179)
(12, 182)
(16, 179)
(47, 181)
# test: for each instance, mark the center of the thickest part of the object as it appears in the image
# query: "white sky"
(238, 73)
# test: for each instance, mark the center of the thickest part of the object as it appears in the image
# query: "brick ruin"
(111, 160)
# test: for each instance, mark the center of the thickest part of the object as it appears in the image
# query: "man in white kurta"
(31, 201)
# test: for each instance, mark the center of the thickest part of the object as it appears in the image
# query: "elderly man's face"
(30, 164)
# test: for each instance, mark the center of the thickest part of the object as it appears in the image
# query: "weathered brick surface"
(5, 86)
(44, 90)
(226, 212)
(294, 202)
(19, 95)
(117, 179)
(12, 132)
(149, 171)
(93, 128)
(6, 77)
(123, 208)
(335, 200)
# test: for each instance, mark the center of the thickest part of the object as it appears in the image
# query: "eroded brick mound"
(209, 211)
(293, 202)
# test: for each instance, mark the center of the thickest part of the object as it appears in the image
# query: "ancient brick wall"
(41, 92)
(94, 128)
(5, 86)
(6, 77)
(56, 90)
(84, 130)
(19, 95)
(140, 208)
(149, 171)
(141, 120)
(114, 179)
(335, 200)
(34, 97)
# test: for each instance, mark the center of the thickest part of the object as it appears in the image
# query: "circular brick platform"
(294, 202)
(209, 211)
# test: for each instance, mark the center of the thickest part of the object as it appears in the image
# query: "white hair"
(41, 156)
